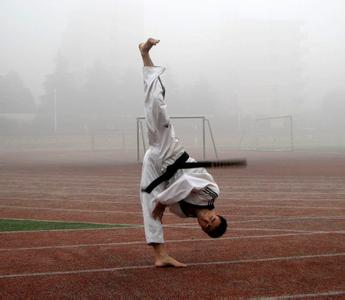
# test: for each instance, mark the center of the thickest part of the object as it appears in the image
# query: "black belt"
(170, 172)
(181, 163)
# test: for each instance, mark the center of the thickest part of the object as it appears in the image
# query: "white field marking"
(268, 229)
(252, 229)
(111, 195)
(245, 194)
(313, 295)
(251, 194)
(220, 201)
(137, 226)
(270, 236)
(139, 212)
(234, 182)
(103, 182)
(287, 219)
(277, 188)
(130, 226)
(71, 200)
(131, 183)
(326, 193)
(229, 194)
(276, 229)
(288, 200)
(221, 205)
(137, 173)
(193, 223)
(87, 189)
(81, 229)
(237, 190)
(293, 187)
(281, 206)
(71, 210)
(224, 262)
(293, 183)
(64, 221)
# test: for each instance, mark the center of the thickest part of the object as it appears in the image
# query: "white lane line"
(274, 187)
(135, 226)
(248, 191)
(110, 178)
(281, 206)
(287, 219)
(193, 226)
(140, 213)
(113, 194)
(14, 198)
(70, 209)
(130, 184)
(117, 192)
(313, 295)
(220, 205)
(271, 218)
(138, 226)
(136, 175)
(288, 200)
(278, 229)
(221, 201)
(172, 241)
(224, 262)
(130, 226)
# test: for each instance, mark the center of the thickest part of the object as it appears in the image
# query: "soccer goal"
(274, 133)
(192, 137)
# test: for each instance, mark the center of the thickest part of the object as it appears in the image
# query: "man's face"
(208, 220)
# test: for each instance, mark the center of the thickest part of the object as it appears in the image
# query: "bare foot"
(146, 46)
(168, 261)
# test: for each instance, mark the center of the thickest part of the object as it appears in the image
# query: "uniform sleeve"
(180, 189)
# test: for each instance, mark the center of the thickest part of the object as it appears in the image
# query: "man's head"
(211, 223)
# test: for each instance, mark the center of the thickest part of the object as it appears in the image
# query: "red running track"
(286, 237)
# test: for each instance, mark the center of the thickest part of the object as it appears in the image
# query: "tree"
(14, 96)
(99, 103)
(61, 97)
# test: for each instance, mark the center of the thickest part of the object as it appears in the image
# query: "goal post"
(274, 133)
(205, 124)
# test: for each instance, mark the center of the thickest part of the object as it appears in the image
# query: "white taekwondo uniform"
(194, 186)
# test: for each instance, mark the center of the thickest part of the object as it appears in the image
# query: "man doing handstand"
(187, 192)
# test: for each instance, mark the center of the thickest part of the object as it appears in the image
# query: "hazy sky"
(191, 32)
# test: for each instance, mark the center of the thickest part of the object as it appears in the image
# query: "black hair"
(220, 229)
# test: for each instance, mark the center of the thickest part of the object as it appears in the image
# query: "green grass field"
(32, 225)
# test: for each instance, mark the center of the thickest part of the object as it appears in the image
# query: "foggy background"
(71, 73)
